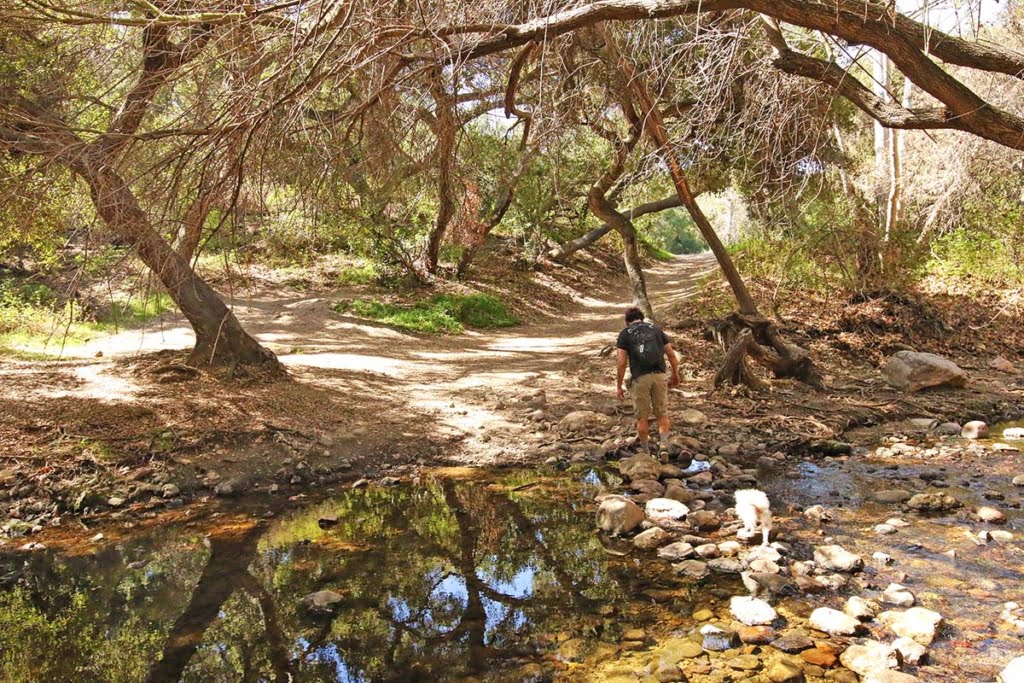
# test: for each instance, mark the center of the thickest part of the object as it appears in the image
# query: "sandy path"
(464, 387)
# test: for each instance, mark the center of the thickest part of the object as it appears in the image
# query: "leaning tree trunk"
(220, 338)
(564, 251)
(750, 334)
(603, 209)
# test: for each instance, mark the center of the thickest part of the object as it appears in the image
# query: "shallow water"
(498, 577)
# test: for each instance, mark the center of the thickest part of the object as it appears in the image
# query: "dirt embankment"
(134, 432)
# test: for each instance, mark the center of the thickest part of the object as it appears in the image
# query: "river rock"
(640, 466)
(935, 501)
(719, 640)
(785, 671)
(891, 496)
(170, 491)
(890, 677)
(584, 421)
(793, 643)
(618, 515)
(833, 622)
(869, 657)
(691, 417)
(704, 520)
(838, 559)
(823, 655)
(751, 611)
(665, 508)
(1013, 433)
(725, 565)
(708, 551)
(655, 537)
(756, 635)
(1014, 671)
(322, 602)
(917, 623)
(910, 650)
(860, 609)
(912, 371)
(679, 493)
(744, 663)
(680, 550)
(898, 595)
(1002, 365)
(692, 569)
(987, 513)
(647, 487)
(948, 429)
(975, 429)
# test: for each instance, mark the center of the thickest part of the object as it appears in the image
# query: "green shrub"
(441, 314)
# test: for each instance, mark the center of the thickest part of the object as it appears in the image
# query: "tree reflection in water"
(442, 580)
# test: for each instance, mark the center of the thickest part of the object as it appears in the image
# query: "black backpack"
(646, 344)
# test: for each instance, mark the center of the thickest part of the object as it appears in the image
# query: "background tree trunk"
(564, 251)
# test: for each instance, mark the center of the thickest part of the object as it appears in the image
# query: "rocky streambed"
(897, 562)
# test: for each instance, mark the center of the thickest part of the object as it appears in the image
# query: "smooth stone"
(896, 594)
(869, 657)
(693, 569)
(833, 622)
(910, 650)
(891, 496)
(680, 648)
(680, 550)
(784, 671)
(744, 663)
(860, 609)
(756, 635)
(618, 515)
(640, 466)
(678, 493)
(1013, 672)
(655, 537)
(719, 640)
(708, 551)
(838, 559)
(1018, 480)
(884, 529)
(912, 371)
(752, 611)
(322, 602)
(793, 643)
(691, 417)
(917, 622)
(665, 508)
(824, 657)
(729, 548)
(704, 520)
(987, 513)
(726, 565)
(975, 429)
(703, 615)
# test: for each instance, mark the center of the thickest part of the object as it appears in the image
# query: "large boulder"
(912, 371)
(640, 466)
(618, 515)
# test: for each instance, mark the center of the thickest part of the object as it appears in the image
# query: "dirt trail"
(402, 387)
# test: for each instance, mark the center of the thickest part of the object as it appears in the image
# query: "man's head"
(633, 314)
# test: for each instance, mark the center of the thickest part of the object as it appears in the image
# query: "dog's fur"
(752, 507)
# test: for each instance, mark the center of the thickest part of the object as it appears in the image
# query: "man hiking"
(644, 345)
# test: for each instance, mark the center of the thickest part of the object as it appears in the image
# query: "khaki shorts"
(650, 395)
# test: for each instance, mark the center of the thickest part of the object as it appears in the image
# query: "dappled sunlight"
(391, 367)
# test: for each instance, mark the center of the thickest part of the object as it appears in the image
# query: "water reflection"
(444, 580)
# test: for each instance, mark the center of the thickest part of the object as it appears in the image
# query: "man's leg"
(659, 404)
(641, 389)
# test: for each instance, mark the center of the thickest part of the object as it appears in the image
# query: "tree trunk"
(764, 343)
(446, 131)
(220, 338)
(564, 251)
(603, 209)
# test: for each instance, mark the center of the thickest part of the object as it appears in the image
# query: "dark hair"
(633, 314)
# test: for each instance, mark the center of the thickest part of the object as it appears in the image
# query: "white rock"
(762, 552)
(708, 551)
(861, 609)
(751, 611)
(917, 623)
(1013, 433)
(691, 417)
(869, 657)
(882, 558)
(665, 508)
(729, 548)
(884, 529)
(618, 515)
(836, 558)
(913, 652)
(898, 595)
(975, 429)
(987, 513)
(897, 522)
(833, 622)
(1014, 671)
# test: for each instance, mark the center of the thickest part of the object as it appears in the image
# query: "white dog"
(752, 507)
